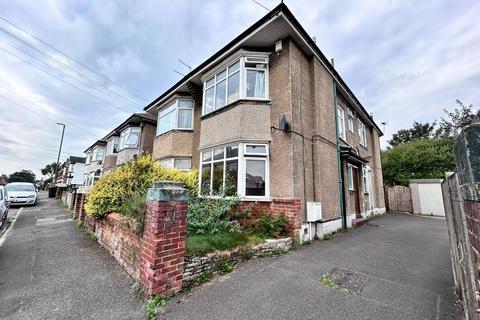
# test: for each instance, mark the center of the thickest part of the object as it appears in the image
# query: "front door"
(356, 185)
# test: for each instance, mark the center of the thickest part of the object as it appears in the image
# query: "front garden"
(214, 224)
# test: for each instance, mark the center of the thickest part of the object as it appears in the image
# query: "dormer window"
(129, 138)
(176, 116)
(245, 78)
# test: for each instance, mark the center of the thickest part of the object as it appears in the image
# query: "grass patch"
(329, 282)
(200, 245)
(151, 306)
(225, 267)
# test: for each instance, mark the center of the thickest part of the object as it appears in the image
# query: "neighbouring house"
(133, 137)
(268, 118)
(72, 173)
(94, 162)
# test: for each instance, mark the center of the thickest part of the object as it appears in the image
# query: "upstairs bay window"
(246, 78)
(176, 116)
(97, 154)
(129, 138)
(235, 170)
(112, 145)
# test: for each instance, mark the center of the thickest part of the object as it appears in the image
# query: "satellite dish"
(283, 124)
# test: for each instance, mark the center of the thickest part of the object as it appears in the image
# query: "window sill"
(171, 131)
(235, 103)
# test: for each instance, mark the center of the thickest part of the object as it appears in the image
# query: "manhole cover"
(346, 279)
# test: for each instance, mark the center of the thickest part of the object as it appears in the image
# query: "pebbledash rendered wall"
(157, 258)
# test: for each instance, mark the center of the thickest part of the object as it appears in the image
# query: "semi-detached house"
(269, 119)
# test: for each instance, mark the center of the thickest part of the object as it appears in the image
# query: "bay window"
(97, 154)
(235, 170)
(178, 115)
(112, 145)
(129, 138)
(245, 78)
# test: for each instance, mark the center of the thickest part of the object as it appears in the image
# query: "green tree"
(418, 131)
(22, 176)
(49, 169)
(456, 120)
(418, 159)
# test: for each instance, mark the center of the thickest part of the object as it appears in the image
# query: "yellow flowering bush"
(135, 177)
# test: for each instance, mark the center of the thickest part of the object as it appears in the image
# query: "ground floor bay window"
(235, 170)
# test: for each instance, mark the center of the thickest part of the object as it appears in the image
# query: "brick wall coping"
(167, 191)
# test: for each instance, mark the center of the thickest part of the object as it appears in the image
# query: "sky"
(90, 64)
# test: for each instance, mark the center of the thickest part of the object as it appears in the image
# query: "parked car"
(4, 206)
(21, 193)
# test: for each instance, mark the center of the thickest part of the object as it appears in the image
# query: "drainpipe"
(341, 197)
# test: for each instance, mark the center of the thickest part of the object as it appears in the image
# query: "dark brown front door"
(356, 185)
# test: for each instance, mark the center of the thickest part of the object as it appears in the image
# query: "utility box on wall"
(314, 211)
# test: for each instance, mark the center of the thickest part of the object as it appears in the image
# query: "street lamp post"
(59, 151)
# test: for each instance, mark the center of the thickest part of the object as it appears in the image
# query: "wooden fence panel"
(399, 198)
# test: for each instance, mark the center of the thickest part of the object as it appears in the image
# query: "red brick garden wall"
(291, 207)
(122, 242)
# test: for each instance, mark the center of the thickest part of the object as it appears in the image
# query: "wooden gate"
(398, 198)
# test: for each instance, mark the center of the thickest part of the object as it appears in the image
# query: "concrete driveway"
(50, 269)
(405, 260)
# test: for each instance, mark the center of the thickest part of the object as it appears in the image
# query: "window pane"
(210, 82)
(233, 87)
(221, 75)
(220, 98)
(255, 178)
(182, 164)
(209, 95)
(217, 186)
(218, 154)
(232, 152)
(185, 104)
(234, 67)
(255, 149)
(167, 122)
(231, 175)
(167, 163)
(206, 156)
(205, 187)
(255, 83)
(185, 118)
(132, 140)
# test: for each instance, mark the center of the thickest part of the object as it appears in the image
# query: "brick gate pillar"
(164, 237)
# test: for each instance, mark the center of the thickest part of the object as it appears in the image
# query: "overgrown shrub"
(111, 192)
(265, 224)
(210, 216)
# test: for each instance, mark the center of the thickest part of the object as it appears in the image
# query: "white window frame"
(95, 152)
(341, 119)
(362, 132)
(351, 182)
(351, 120)
(176, 108)
(111, 145)
(171, 163)
(241, 169)
(124, 133)
(242, 88)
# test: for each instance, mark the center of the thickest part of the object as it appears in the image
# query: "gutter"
(341, 196)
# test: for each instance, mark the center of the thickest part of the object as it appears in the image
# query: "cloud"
(404, 62)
